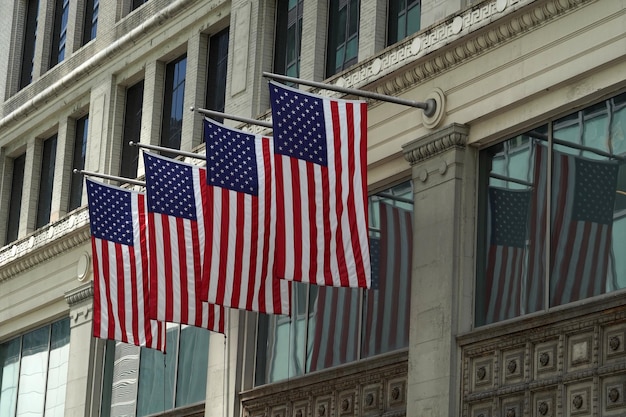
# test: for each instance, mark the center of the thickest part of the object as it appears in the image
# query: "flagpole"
(169, 150)
(242, 119)
(108, 177)
(429, 106)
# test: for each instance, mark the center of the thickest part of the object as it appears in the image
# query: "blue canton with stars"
(594, 192)
(110, 213)
(509, 216)
(230, 159)
(169, 186)
(299, 127)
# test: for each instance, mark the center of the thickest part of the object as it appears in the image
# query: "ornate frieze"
(569, 366)
(44, 244)
(369, 387)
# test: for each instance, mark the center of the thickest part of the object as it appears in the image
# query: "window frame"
(79, 152)
(15, 202)
(59, 39)
(173, 101)
(46, 181)
(131, 131)
(338, 39)
(398, 15)
(217, 69)
(27, 65)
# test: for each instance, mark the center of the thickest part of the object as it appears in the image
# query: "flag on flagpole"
(176, 225)
(321, 188)
(508, 223)
(241, 222)
(120, 263)
(388, 301)
(582, 221)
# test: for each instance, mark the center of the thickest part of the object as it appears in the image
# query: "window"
(15, 204)
(343, 35)
(132, 130)
(218, 62)
(80, 149)
(173, 103)
(571, 252)
(33, 372)
(404, 19)
(90, 25)
(59, 34)
(288, 37)
(30, 38)
(136, 3)
(44, 202)
(156, 382)
(326, 322)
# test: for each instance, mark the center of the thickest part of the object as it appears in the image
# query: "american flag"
(321, 188)
(176, 222)
(241, 231)
(508, 222)
(388, 302)
(582, 219)
(334, 326)
(120, 263)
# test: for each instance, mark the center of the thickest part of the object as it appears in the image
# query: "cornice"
(45, 244)
(452, 136)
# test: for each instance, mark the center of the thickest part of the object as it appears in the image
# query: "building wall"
(496, 67)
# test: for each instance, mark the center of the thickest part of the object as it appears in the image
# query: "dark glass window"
(326, 322)
(343, 35)
(132, 130)
(218, 64)
(532, 259)
(59, 34)
(80, 149)
(90, 26)
(30, 38)
(33, 370)
(46, 182)
(15, 204)
(288, 37)
(136, 3)
(403, 19)
(173, 103)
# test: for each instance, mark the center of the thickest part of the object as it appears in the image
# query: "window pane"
(92, 8)
(46, 183)
(280, 341)
(57, 369)
(157, 373)
(413, 19)
(80, 150)
(31, 393)
(132, 130)
(333, 326)
(15, 205)
(173, 103)
(59, 35)
(387, 302)
(30, 38)
(193, 361)
(9, 373)
(218, 64)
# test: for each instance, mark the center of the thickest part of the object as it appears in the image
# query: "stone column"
(443, 172)
(195, 87)
(313, 46)
(81, 368)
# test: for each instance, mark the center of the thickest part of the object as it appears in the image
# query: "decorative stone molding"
(45, 244)
(79, 294)
(449, 137)
(564, 364)
(371, 386)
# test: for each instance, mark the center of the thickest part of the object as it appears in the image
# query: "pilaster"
(63, 168)
(372, 28)
(81, 368)
(195, 86)
(314, 25)
(32, 178)
(443, 172)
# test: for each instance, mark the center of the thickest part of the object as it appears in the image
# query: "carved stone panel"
(483, 409)
(371, 400)
(578, 399)
(482, 373)
(580, 351)
(543, 403)
(613, 395)
(301, 409)
(512, 407)
(396, 393)
(545, 359)
(345, 403)
(614, 344)
(512, 366)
